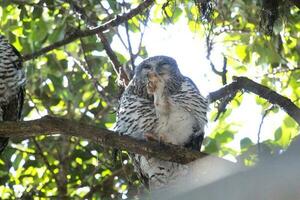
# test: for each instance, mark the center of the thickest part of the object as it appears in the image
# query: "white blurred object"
(274, 178)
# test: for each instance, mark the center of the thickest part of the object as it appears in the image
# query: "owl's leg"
(154, 137)
(163, 139)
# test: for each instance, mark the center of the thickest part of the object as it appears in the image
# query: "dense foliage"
(78, 81)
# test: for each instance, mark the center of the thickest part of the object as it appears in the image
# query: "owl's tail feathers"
(3, 143)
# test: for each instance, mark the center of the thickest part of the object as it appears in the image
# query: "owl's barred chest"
(175, 124)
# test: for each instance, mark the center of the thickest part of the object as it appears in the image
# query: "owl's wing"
(192, 101)
(136, 116)
(12, 83)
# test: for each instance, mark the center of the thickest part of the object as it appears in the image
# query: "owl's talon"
(150, 137)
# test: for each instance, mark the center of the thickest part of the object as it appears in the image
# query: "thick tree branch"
(119, 19)
(243, 83)
(54, 125)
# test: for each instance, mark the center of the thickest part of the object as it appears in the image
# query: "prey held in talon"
(154, 82)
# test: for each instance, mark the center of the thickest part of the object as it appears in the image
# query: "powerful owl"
(12, 82)
(161, 104)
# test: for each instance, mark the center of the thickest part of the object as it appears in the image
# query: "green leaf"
(245, 143)
(176, 14)
(289, 122)
(278, 133)
(210, 145)
(241, 51)
(17, 160)
(224, 137)
(37, 12)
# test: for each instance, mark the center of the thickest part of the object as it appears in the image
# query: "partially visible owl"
(162, 104)
(12, 83)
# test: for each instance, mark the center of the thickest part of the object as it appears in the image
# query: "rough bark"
(53, 125)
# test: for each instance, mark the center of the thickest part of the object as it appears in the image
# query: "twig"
(129, 45)
(114, 59)
(223, 103)
(260, 125)
(40, 153)
(115, 29)
(88, 70)
(209, 45)
(106, 179)
(163, 8)
(224, 71)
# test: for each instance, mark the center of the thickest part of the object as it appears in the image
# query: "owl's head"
(163, 67)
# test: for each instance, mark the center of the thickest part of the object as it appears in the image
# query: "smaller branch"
(114, 59)
(40, 153)
(97, 187)
(223, 103)
(260, 127)
(34, 105)
(261, 124)
(224, 72)
(284, 70)
(243, 83)
(164, 6)
(129, 45)
(209, 45)
(115, 29)
(130, 70)
(88, 70)
(226, 99)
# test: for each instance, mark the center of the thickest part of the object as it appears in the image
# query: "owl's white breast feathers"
(175, 124)
(176, 114)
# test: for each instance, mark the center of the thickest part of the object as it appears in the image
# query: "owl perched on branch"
(161, 104)
(12, 83)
